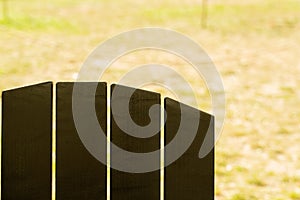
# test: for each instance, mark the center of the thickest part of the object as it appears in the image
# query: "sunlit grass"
(26, 23)
(234, 18)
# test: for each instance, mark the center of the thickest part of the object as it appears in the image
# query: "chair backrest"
(33, 148)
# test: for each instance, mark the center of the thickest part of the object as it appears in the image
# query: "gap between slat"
(108, 120)
(53, 196)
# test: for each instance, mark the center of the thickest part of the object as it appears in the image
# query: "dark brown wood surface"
(135, 186)
(189, 177)
(78, 174)
(27, 147)
(27, 143)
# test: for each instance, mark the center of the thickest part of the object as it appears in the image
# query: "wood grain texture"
(27, 143)
(137, 186)
(189, 177)
(78, 174)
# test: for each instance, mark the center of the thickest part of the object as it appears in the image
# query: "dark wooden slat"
(27, 142)
(78, 174)
(189, 177)
(137, 186)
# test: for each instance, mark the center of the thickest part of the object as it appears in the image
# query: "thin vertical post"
(5, 9)
(204, 13)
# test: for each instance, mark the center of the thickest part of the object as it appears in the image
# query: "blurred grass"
(231, 19)
(25, 23)
(254, 44)
(66, 15)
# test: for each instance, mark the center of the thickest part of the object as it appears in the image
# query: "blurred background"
(255, 45)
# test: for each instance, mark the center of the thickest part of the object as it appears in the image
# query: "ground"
(254, 45)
